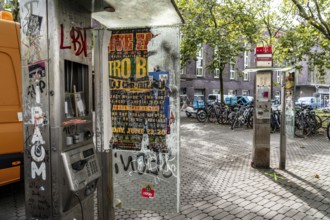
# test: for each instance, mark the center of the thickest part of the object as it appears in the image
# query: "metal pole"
(282, 133)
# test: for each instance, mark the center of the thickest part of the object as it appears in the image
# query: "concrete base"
(261, 158)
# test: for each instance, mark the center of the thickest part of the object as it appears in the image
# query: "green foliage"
(298, 30)
(224, 25)
(13, 7)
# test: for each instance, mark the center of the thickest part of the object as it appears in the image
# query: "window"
(216, 73)
(230, 92)
(215, 91)
(246, 59)
(232, 71)
(246, 76)
(245, 92)
(199, 62)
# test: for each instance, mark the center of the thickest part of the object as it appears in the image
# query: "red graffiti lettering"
(78, 40)
(62, 39)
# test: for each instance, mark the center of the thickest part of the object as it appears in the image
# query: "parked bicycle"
(275, 120)
(243, 116)
(306, 121)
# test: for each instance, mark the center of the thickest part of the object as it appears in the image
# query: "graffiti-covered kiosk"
(100, 100)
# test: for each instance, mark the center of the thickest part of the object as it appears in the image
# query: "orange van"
(11, 126)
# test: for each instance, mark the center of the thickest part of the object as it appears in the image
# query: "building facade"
(197, 79)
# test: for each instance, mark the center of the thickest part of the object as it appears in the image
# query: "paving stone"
(299, 216)
(215, 212)
(180, 217)
(236, 210)
(270, 214)
(276, 207)
(210, 209)
(278, 217)
(242, 214)
(200, 216)
(221, 215)
(249, 216)
(291, 213)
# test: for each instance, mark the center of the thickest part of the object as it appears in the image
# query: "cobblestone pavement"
(217, 181)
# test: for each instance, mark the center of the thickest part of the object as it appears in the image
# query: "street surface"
(217, 181)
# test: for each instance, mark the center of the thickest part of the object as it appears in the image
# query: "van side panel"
(11, 128)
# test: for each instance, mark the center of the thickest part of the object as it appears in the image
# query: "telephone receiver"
(79, 165)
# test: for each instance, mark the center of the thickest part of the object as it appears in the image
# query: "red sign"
(266, 49)
(147, 192)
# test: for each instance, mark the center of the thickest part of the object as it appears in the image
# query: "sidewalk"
(217, 181)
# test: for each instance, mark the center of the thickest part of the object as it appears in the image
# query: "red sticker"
(147, 192)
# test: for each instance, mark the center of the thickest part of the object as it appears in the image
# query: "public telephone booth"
(100, 107)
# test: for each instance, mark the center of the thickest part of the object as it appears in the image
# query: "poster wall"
(143, 123)
(289, 88)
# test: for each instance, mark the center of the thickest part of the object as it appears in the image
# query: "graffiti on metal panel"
(157, 165)
(34, 115)
(78, 40)
(140, 100)
(31, 26)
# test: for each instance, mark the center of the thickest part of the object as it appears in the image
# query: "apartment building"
(197, 79)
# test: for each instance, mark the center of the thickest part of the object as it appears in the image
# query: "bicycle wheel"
(212, 117)
(298, 128)
(309, 126)
(328, 130)
(250, 121)
(318, 122)
(236, 123)
(201, 115)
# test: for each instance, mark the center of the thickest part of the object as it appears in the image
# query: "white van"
(212, 98)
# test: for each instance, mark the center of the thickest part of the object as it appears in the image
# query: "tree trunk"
(221, 85)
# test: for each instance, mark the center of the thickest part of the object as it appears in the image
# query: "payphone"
(79, 157)
(263, 95)
(82, 168)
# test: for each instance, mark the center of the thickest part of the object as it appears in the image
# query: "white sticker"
(20, 116)
(36, 113)
(37, 94)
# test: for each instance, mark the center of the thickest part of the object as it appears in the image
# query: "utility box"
(61, 166)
